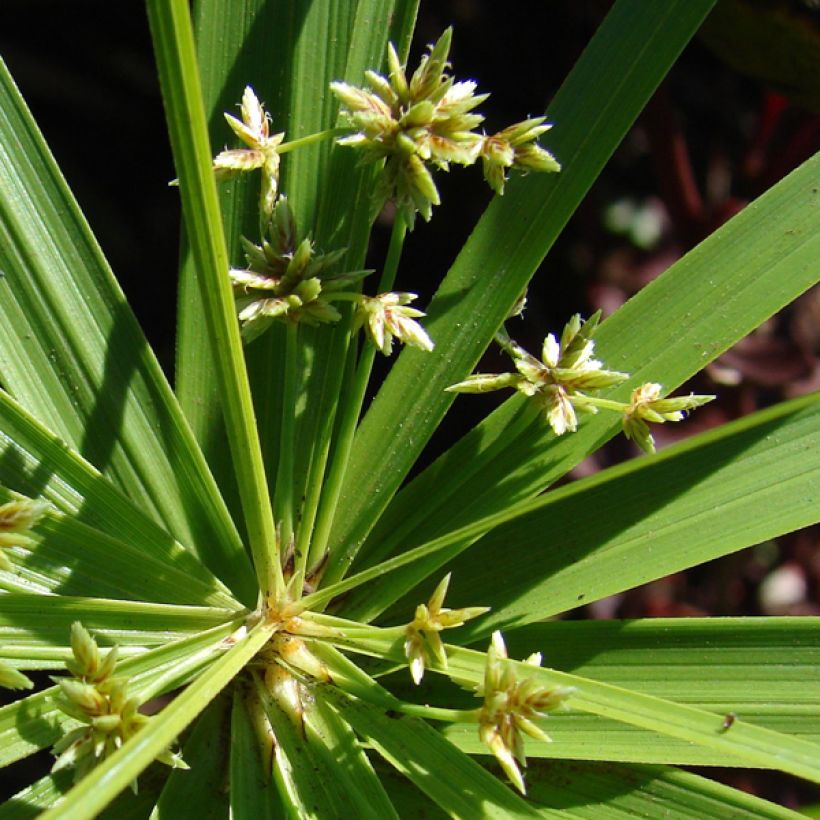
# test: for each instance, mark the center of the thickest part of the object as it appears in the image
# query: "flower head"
(646, 406)
(560, 381)
(11, 678)
(515, 147)
(100, 701)
(423, 643)
(413, 125)
(386, 316)
(286, 279)
(16, 519)
(511, 705)
(262, 151)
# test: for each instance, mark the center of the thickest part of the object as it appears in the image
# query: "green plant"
(159, 538)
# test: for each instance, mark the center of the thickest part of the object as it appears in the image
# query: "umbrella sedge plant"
(241, 603)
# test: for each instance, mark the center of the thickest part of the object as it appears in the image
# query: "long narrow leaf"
(74, 356)
(36, 463)
(201, 790)
(179, 77)
(612, 81)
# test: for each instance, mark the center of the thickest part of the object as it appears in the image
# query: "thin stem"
(351, 409)
(310, 139)
(438, 713)
(283, 500)
(338, 373)
(603, 404)
(179, 76)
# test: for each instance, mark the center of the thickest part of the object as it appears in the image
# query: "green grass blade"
(311, 773)
(201, 790)
(75, 357)
(609, 85)
(751, 267)
(103, 784)
(366, 795)
(422, 755)
(593, 790)
(761, 669)
(40, 795)
(68, 557)
(664, 514)
(233, 50)
(38, 464)
(37, 797)
(27, 626)
(179, 78)
(751, 480)
(253, 794)
(748, 744)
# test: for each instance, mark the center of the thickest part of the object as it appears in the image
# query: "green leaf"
(422, 755)
(71, 558)
(253, 794)
(746, 482)
(179, 78)
(760, 669)
(765, 256)
(37, 463)
(615, 76)
(748, 744)
(313, 781)
(74, 356)
(233, 50)
(37, 636)
(667, 513)
(200, 791)
(595, 790)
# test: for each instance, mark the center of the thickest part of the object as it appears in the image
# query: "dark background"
(721, 130)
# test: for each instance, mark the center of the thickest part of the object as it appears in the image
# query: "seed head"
(511, 705)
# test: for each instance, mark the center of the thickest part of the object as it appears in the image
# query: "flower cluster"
(417, 124)
(11, 678)
(647, 405)
(423, 643)
(99, 700)
(560, 382)
(511, 705)
(568, 378)
(16, 519)
(262, 151)
(387, 316)
(286, 278)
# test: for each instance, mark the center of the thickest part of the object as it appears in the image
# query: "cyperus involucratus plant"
(323, 636)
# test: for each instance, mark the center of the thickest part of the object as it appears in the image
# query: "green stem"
(350, 410)
(337, 374)
(603, 404)
(179, 76)
(310, 139)
(283, 493)
(438, 713)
